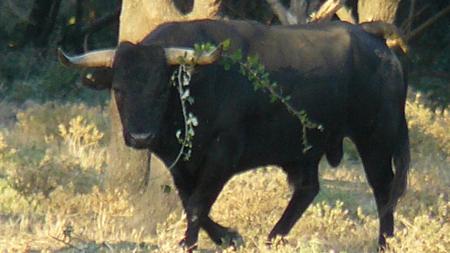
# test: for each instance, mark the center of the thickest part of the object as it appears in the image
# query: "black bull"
(346, 79)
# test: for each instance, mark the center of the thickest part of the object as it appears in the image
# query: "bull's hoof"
(231, 239)
(183, 244)
(278, 241)
(382, 244)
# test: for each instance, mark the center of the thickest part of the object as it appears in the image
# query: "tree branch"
(279, 10)
(22, 15)
(410, 16)
(428, 23)
(410, 20)
(327, 10)
(101, 22)
(345, 14)
(298, 12)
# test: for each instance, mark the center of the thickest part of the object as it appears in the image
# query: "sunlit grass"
(53, 197)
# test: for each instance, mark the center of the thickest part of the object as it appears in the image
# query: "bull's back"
(276, 46)
(313, 64)
(309, 62)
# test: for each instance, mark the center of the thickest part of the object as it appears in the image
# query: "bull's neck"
(167, 147)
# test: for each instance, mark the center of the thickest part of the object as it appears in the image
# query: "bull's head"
(139, 76)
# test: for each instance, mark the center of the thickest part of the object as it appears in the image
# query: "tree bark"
(128, 167)
(373, 10)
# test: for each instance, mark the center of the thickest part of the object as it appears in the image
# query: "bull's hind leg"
(305, 181)
(377, 165)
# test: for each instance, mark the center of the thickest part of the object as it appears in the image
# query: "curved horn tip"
(211, 56)
(218, 51)
(63, 58)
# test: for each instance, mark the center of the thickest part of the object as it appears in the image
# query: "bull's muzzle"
(139, 140)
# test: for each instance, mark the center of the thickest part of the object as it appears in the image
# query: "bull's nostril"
(140, 136)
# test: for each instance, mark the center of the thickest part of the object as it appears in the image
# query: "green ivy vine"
(181, 79)
(250, 67)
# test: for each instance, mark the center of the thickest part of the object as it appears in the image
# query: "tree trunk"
(37, 19)
(78, 24)
(372, 10)
(127, 167)
(41, 21)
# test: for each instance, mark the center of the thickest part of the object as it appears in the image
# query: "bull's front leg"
(197, 209)
(221, 235)
(216, 171)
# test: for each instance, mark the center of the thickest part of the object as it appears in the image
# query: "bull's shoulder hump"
(204, 27)
(251, 33)
(328, 35)
(313, 31)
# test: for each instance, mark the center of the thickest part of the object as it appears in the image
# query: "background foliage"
(28, 70)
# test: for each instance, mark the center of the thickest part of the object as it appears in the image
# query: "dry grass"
(68, 151)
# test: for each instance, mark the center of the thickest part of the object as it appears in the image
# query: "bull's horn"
(99, 58)
(178, 55)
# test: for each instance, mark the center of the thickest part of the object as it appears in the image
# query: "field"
(53, 195)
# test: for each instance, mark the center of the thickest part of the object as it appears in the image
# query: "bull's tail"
(401, 157)
(393, 36)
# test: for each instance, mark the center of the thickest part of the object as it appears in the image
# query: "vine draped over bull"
(252, 68)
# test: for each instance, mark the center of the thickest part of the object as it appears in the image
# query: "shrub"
(38, 124)
(426, 232)
(46, 154)
(428, 129)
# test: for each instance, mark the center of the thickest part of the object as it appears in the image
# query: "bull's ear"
(97, 78)
(178, 55)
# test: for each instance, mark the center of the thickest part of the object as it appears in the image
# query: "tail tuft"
(401, 159)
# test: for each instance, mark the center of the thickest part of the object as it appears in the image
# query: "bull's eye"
(116, 91)
(118, 94)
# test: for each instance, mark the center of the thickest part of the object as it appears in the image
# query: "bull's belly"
(280, 148)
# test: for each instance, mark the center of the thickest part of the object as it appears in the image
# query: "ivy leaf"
(236, 56)
(185, 95)
(227, 66)
(226, 44)
(273, 99)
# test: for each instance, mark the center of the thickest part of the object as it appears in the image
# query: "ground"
(53, 195)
